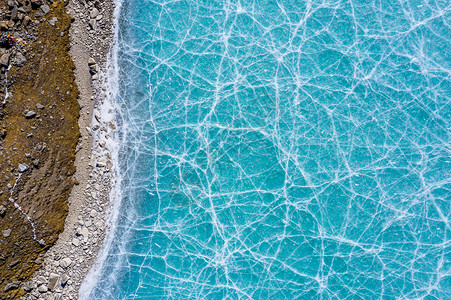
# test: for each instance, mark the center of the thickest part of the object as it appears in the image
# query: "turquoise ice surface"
(282, 150)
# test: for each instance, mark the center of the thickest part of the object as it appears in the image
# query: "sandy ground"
(68, 261)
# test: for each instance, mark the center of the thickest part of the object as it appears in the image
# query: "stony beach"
(56, 262)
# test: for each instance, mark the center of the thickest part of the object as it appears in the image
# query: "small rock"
(36, 162)
(94, 13)
(19, 60)
(65, 262)
(101, 162)
(41, 242)
(64, 279)
(12, 286)
(14, 263)
(57, 297)
(95, 126)
(14, 13)
(26, 20)
(40, 280)
(42, 288)
(94, 68)
(6, 233)
(28, 286)
(40, 106)
(53, 280)
(4, 59)
(85, 233)
(2, 210)
(53, 21)
(30, 114)
(91, 61)
(93, 24)
(93, 213)
(76, 242)
(112, 125)
(4, 25)
(45, 9)
(23, 168)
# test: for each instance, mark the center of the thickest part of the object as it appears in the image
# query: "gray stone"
(95, 126)
(57, 297)
(94, 13)
(14, 13)
(28, 286)
(76, 242)
(93, 213)
(53, 21)
(93, 24)
(23, 168)
(40, 106)
(64, 279)
(53, 280)
(4, 59)
(2, 210)
(66, 262)
(42, 288)
(30, 114)
(20, 60)
(12, 286)
(45, 9)
(40, 280)
(6, 233)
(94, 69)
(101, 162)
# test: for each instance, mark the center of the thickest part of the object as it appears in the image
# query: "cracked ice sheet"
(283, 149)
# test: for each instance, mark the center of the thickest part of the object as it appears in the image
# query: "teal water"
(282, 150)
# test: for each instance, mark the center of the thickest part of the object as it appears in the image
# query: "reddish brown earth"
(45, 142)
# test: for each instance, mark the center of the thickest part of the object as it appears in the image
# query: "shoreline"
(68, 261)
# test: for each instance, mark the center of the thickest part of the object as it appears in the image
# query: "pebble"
(75, 242)
(30, 114)
(20, 60)
(53, 280)
(28, 286)
(12, 286)
(101, 162)
(45, 9)
(95, 126)
(94, 13)
(4, 59)
(64, 279)
(53, 21)
(6, 233)
(2, 210)
(42, 288)
(91, 61)
(64, 263)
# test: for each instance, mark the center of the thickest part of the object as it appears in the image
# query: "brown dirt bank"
(45, 141)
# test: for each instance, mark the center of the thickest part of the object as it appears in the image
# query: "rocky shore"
(39, 140)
